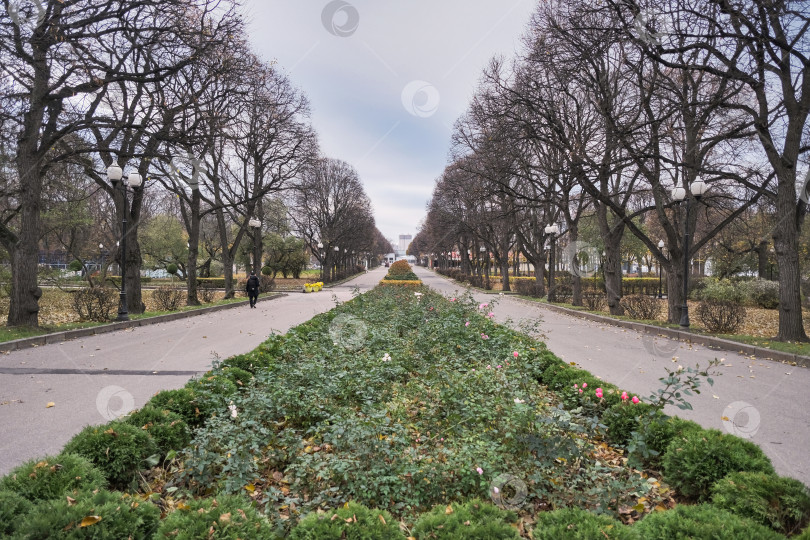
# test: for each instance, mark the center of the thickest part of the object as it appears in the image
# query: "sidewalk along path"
(764, 401)
(97, 378)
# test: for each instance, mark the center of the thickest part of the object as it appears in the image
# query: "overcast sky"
(386, 80)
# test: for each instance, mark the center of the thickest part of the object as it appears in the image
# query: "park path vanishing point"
(95, 379)
(765, 401)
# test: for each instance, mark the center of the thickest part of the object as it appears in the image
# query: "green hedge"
(579, 524)
(646, 285)
(696, 460)
(698, 522)
(776, 502)
(473, 520)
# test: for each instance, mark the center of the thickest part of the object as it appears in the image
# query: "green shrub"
(659, 431)
(353, 522)
(121, 516)
(216, 283)
(212, 389)
(410, 276)
(624, 418)
(13, 508)
(474, 520)
(399, 268)
(805, 535)
(702, 521)
(53, 477)
(764, 293)
(576, 523)
(524, 286)
(720, 290)
(225, 517)
(118, 449)
(237, 376)
(777, 502)
(252, 362)
(166, 428)
(182, 401)
(698, 459)
(172, 269)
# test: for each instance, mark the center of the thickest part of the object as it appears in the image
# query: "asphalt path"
(765, 401)
(49, 393)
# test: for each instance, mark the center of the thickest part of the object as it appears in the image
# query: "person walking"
(252, 288)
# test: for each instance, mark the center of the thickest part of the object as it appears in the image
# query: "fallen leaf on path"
(50, 404)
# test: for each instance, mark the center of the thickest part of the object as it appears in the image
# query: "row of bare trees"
(168, 89)
(607, 108)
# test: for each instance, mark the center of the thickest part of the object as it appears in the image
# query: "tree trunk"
(786, 249)
(612, 265)
(193, 250)
(227, 259)
(762, 259)
(24, 248)
(25, 293)
(675, 278)
(539, 276)
(505, 273)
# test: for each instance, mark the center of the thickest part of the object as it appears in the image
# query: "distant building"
(404, 242)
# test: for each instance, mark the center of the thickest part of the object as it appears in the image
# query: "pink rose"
(635, 399)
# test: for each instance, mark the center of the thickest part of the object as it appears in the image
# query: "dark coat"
(252, 286)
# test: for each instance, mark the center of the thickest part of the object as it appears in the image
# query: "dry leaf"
(89, 520)
(50, 404)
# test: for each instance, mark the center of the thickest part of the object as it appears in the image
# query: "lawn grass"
(790, 347)
(802, 349)
(12, 333)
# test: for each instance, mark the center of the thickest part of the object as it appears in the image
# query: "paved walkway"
(765, 401)
(91, 379)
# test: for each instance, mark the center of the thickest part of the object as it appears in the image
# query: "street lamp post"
(101, 267)
(679, 194)
(255, 224)
(660, 248)
(323, 258)
(551, 231)
(482, 250)
(335, 267)
(116, 175)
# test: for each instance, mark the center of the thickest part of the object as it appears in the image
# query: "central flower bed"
(404, 400)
